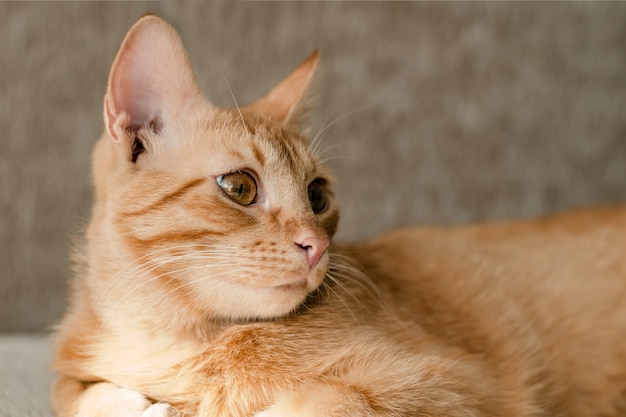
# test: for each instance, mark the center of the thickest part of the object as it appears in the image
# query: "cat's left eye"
(239, 187)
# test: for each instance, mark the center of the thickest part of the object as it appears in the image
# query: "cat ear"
(289, 101)
(151, 81)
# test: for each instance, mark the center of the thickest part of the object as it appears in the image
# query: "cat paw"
(268, 413)
(108, 400)
(287, 407)
(160, 410)
(283, 410)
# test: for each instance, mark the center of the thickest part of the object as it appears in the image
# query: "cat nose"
(315, 248)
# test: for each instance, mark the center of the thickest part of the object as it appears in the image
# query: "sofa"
(437, 113)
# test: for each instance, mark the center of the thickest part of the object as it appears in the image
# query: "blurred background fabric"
(434, 113)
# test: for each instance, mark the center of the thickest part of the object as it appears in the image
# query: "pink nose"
(315, 248)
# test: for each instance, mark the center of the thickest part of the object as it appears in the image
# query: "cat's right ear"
(290, 101)
(151, 81)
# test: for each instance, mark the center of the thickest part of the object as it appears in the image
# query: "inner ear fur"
(151, 82)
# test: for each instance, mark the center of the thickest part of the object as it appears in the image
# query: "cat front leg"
(335, 399)
(392, 383)
(71, 398)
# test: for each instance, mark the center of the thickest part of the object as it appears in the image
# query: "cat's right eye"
(239, 187)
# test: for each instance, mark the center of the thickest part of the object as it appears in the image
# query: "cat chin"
(282, 300)
(264, 303)
(274, 301)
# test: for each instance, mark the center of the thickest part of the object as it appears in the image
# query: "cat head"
(216, 213)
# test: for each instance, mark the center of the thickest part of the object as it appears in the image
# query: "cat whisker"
(334, 157)
(139, 282)
(317, 140)
(194, 282)
(154, 267)
(337, 279)
(197, 299)
(153, 264)
(330, 289)
(129, 270)
(214, 249)
(329, 148)
(352, 274)
(235, 101)
(182, 270)
(340, 267)
(319, 136)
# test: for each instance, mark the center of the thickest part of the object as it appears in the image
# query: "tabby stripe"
(167, 198)
(177, 236)
(258, 154)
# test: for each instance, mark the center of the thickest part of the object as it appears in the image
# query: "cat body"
(208, 284)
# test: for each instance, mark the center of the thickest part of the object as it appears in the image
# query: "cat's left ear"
(290, 101)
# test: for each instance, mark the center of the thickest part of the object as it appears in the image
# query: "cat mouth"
(307, 282)
(294, 285)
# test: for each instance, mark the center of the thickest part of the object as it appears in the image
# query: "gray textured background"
(468, 111)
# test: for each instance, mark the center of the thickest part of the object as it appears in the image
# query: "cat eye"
(318, 195)
(239, 187)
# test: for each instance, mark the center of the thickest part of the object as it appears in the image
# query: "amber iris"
(239, 187)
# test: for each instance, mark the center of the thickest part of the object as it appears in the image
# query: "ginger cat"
(208, 284)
